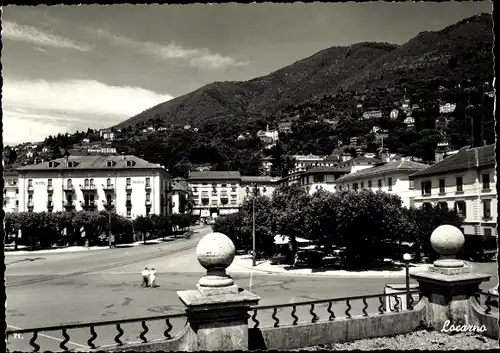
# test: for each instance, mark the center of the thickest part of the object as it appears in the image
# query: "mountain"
(458, 52)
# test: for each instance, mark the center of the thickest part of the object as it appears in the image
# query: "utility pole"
(254, 260)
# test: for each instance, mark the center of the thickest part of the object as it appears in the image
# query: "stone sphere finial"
(447, 241)
(215, 251)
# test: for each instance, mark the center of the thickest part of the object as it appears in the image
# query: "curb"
(349, 275)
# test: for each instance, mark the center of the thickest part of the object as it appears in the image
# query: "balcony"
(128, 204)
(128, 187)
(108, 187)
(50, 205)
(31, 204)
(108, 204)
(89, 205)
(50, 189)
(68, 188)
(30, 188)
(90, 188)
(148, 202)
(68, 204)
(148, 187)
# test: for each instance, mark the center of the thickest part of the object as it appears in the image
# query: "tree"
(230, 225)
(143, 225)
(292, 214)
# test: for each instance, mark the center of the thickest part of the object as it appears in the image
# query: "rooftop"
(214, 175)
(391, 167)
(92, 162)
(315, 170)
(465, 158)
(257, 179)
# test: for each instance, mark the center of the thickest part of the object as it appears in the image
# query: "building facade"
(466, 182)
(318, 178)
(10, 191)
(127, 185)
(181, 196)
(222, 192)
(392, 177)
(215, 192)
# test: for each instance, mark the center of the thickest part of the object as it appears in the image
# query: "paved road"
(42, 297)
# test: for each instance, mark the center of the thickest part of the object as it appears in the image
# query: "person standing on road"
(145, 278)
(152, 278)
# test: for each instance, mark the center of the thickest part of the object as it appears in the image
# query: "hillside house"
(394, 114)
(447, 108)
(244, 136)
(372, 114)
(359, 163)
(107, 135)
(285, 127)
(410, 122)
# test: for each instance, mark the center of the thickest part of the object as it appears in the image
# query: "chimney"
(439, 156)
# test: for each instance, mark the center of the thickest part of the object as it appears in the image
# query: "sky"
(68, 68)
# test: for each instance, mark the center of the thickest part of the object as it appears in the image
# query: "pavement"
(79, 287)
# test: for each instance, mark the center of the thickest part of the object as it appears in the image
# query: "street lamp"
(407, 258)
(255, 192)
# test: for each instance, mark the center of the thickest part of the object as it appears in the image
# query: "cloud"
(35, 109)
(200, 58)
(30, 34)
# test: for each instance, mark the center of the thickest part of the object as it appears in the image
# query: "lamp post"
(255, 192)
(407, 258)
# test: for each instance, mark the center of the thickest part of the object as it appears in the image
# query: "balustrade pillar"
(448, 284)
(218, 309)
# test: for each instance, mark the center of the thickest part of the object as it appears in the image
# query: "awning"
(283, 239)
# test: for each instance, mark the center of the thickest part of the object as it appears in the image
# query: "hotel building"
(128, 185)
(466, 182)
(222, 192)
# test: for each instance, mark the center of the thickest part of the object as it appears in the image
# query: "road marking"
(53, 338)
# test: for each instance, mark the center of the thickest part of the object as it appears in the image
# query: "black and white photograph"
(250, 176)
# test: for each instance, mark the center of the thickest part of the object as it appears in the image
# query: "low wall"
(336, 331)
(478, 317)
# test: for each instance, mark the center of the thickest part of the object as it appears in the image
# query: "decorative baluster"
(396, 306)
(120, 333)
(254, 319)
(33, 341)
(349, 307)
(381, 306)
(143, 334)
(488, 304)
(329, 309)
(277, 323)
(92, 339)
(295, 318)
(167, 331)
(314, 316)
(365, 307)
(66, 340)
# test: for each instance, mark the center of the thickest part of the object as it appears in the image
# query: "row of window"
(461, 209)
(90, 182)
(426, 186)
(369, 185)
(206, 202)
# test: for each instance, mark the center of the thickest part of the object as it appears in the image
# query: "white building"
(410, 122)
(359, 163)
(324, 178)
(129, 185)
(222, 192)
(447, 108)
(10, 191)
(181, 196)
(107, 135)
(394, 114)
(465, 181)
(215, 192)
(392, 177)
